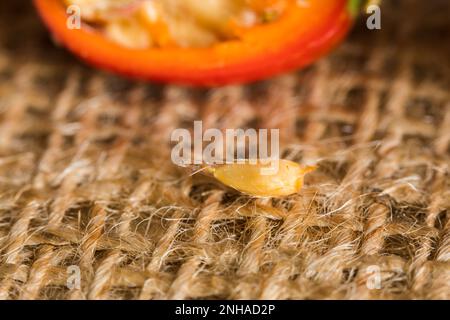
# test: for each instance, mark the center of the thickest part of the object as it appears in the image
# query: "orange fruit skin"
(299, 37)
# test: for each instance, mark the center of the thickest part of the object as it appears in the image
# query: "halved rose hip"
(200, 42)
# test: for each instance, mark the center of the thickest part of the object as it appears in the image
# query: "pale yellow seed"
(275, 179)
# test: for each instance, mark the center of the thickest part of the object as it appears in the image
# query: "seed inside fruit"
(176, 23)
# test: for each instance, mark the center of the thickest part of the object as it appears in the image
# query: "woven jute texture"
(87, 184)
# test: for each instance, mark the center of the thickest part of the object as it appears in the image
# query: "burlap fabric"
(86, 179)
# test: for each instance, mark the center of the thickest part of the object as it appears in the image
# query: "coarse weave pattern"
(86, 179)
